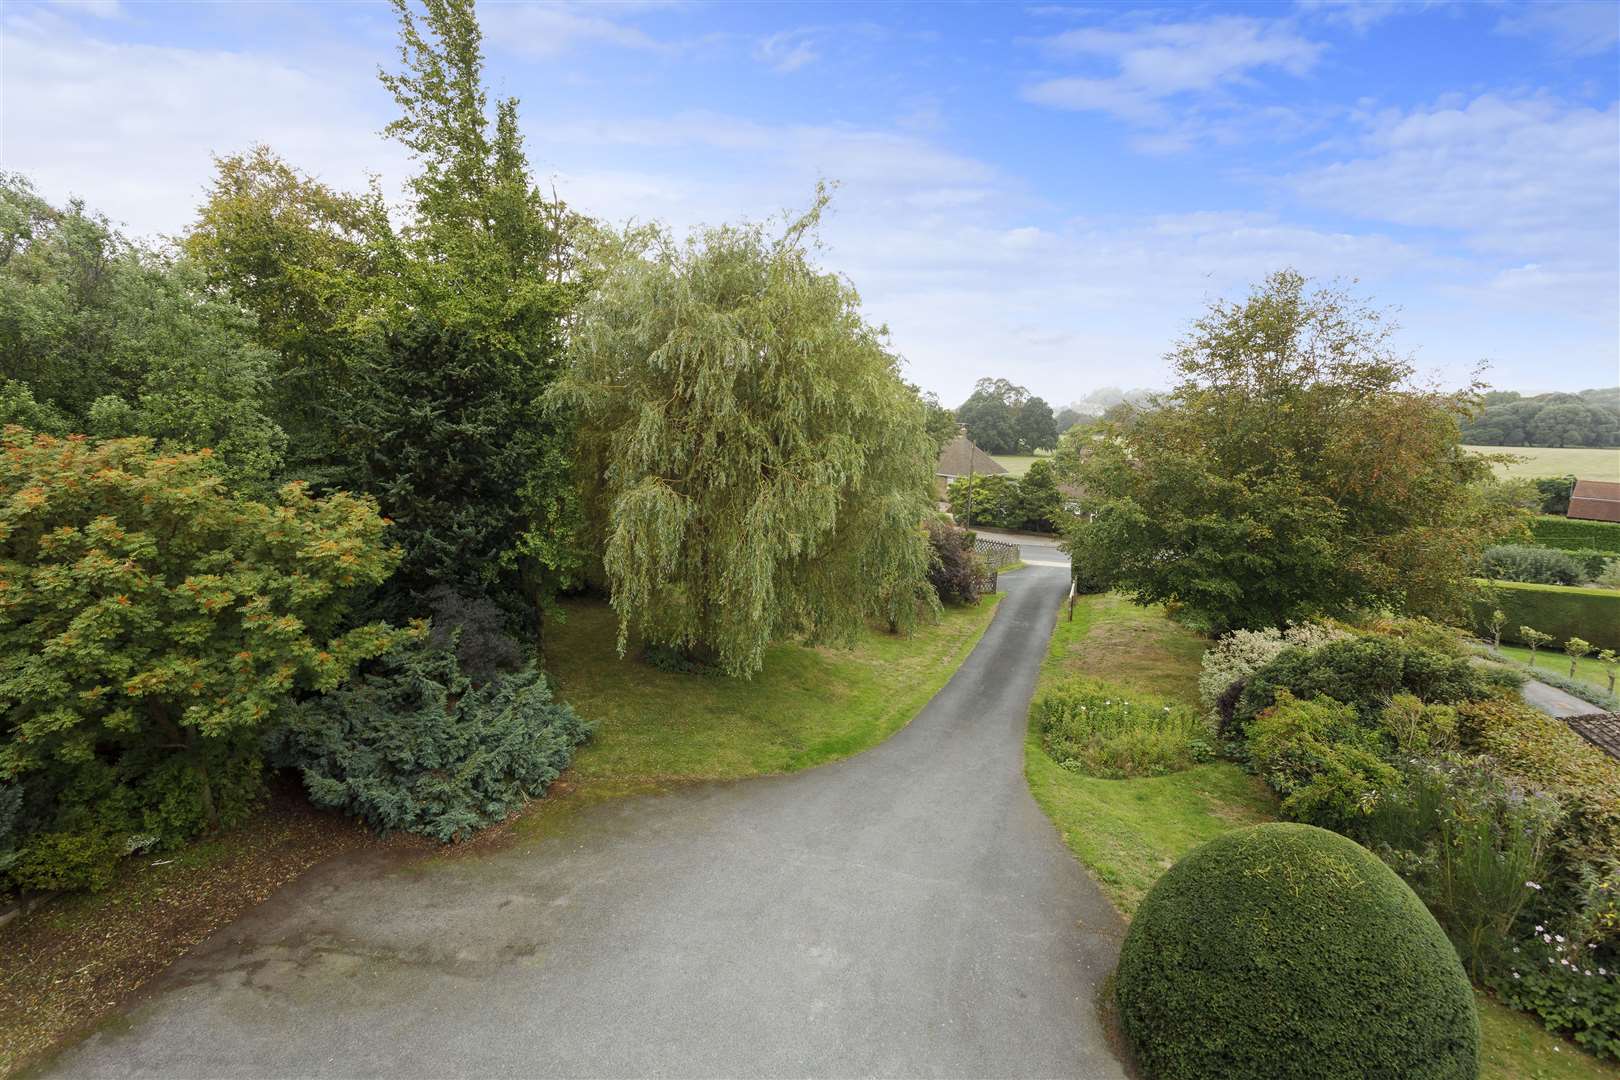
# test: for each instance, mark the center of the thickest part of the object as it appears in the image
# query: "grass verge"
(807, 706)
(1128, 832)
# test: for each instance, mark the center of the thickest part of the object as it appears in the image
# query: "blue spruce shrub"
(412, 745)
(1287, 952)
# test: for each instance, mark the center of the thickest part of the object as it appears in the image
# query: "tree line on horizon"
(1507, 418)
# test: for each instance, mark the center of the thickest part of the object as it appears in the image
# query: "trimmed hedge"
(1286, 951)
(1563, 612)
(1572, 533)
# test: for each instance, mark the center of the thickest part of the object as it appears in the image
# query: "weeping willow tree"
(755, 467)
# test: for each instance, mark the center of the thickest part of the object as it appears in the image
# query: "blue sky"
(1044, 192)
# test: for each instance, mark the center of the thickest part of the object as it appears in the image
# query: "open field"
(1017, 464)
(1128, 832)
(1586, 463)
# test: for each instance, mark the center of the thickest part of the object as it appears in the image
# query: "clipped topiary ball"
(1284, 951)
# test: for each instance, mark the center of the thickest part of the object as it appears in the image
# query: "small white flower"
(1536, 887)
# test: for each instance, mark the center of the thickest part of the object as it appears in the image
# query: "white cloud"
(1362, 15)
(973, 272)
(1159, 65)
(787, 51)
(101, 9)
(1572, 27)
(132, 127)
(551, 28)
(1528, 176)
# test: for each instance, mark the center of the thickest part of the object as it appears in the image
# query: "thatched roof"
(961, 457)
(1595, 500)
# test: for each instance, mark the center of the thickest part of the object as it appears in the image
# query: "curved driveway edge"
(906, 912)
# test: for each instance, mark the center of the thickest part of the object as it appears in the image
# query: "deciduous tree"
(756, 467)
(1295, 470)
(102, 336)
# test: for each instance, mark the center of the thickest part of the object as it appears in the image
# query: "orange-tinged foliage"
(145, 605)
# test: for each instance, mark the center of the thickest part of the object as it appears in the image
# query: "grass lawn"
(1587, 463)
(807, 706)
(1587, 669)
(1128, 832)
(1017, 464)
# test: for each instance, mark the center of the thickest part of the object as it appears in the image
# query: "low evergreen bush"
(413, 746)
(1541, 565)
(1319, 757)
(1238, 655)
(1367, 673)
(1592, 561)
(1545, 754)
(1284, 951)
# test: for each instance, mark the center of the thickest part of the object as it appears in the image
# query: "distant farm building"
(961, 458)
(1595, 500)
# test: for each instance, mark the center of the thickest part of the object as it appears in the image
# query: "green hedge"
(1571, 534)
(1287, 952)
(1563, 612)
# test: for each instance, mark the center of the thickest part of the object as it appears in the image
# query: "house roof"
(960, 453)
(1595, 500)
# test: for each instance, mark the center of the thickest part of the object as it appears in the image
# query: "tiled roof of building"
(1595, 500)
(960, 453)
(1602, 730)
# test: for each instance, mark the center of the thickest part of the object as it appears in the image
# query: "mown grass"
(1128, 832)
(1017, 464)
(807, 706)
(1588, 463)
(1587, 669)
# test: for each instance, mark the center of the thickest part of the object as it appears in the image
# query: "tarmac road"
(906, 912)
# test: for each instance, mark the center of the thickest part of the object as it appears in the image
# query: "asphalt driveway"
(907, 912)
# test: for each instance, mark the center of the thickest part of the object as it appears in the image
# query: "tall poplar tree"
(755, 466)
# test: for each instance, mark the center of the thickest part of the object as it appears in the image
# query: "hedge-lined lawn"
(1128, 832)
(1588, 463)
(1564, 611)
(807, 706)
(1553, 659)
